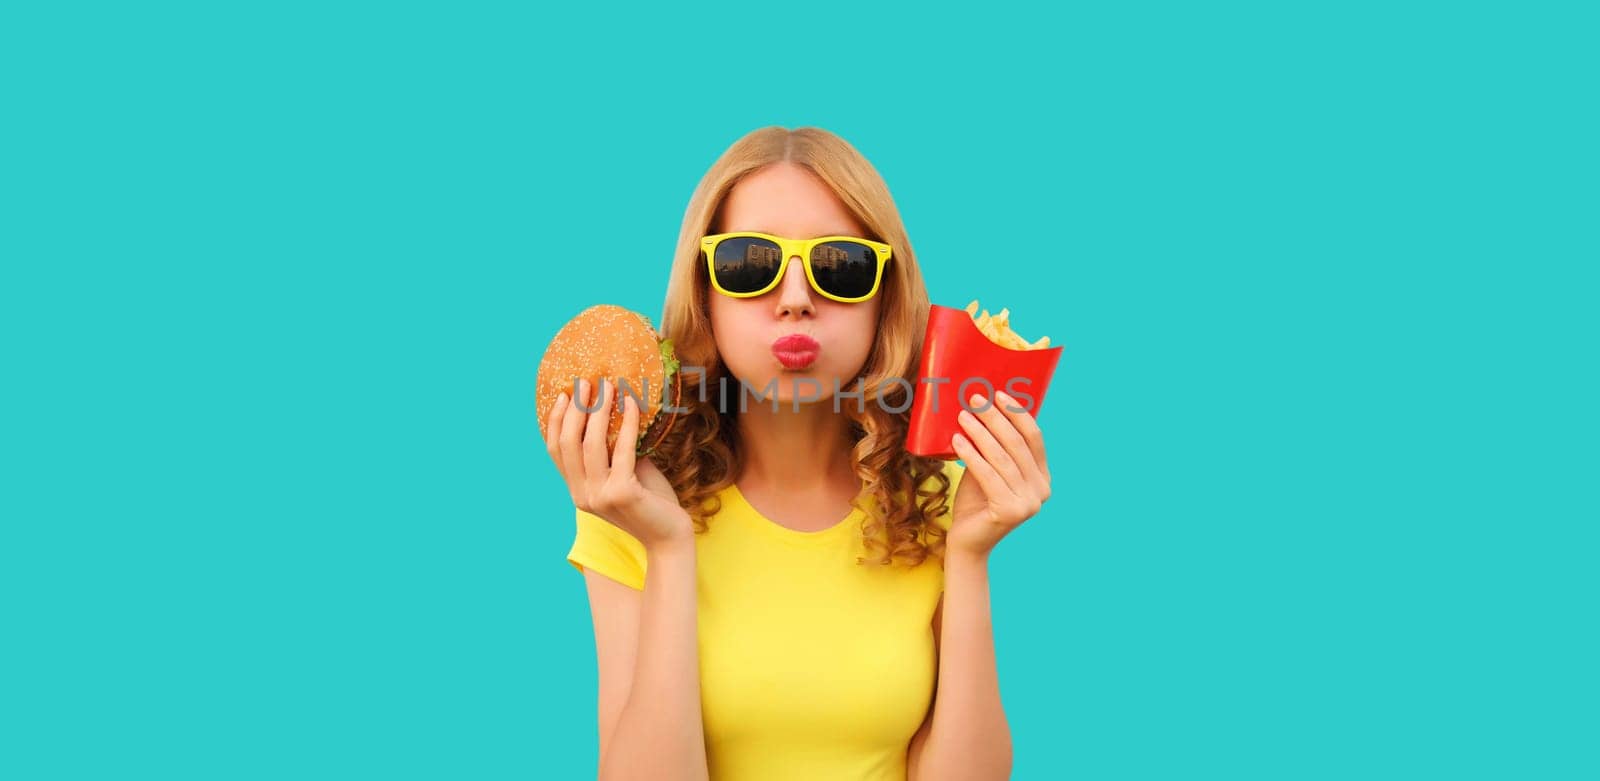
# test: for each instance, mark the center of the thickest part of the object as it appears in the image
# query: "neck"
(790, 450)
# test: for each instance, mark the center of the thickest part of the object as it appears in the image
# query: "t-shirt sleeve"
(604, 547)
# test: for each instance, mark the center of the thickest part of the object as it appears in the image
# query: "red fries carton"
(959, 361)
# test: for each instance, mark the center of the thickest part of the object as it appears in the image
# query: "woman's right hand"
(632, 494)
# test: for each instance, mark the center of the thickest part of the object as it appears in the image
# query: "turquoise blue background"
(276, 280)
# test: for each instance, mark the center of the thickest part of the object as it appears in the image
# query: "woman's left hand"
(1007, 479)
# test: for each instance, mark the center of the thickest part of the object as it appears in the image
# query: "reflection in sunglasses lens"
(845, 268)
(745, 265)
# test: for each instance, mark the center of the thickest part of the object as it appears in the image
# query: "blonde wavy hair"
(701, 455)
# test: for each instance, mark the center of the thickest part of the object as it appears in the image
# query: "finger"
(981, 429)
(571, 444)
(627, 440)
(1004, 429)
(596, 465)
(1028, 427)
(552, 428)
(993, 485)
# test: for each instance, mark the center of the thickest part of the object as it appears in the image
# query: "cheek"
(730, 328)
(717, 311)
(857, 328)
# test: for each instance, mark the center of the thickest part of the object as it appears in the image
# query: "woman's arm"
(1006, 481)
(966, 735)
(658, 734)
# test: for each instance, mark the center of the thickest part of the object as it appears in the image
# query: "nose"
(794, 292)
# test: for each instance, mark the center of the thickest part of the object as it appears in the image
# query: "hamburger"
(614, 344)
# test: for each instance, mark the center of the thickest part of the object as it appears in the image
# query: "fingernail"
(1001, 395)
(976, 400)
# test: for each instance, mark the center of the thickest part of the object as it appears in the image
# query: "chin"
(811, 385)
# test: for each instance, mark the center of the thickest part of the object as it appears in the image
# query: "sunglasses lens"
(747, 264)
(846, 269)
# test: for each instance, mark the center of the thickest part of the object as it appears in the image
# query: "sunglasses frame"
(791, 248)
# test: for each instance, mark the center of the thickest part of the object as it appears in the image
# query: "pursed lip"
(796, 351)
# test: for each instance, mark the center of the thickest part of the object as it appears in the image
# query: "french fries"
(998, 329)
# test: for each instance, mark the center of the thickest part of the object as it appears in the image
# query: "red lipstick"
(796, 351)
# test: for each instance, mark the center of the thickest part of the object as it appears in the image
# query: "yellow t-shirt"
(811, 666)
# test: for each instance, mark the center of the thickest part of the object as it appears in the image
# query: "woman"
(742, 629)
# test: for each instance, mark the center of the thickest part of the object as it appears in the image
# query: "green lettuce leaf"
(668, 358)
(669, 361)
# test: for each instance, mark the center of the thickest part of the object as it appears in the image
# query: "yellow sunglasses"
(842, 268)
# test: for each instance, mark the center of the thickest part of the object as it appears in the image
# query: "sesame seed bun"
(614, 343)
